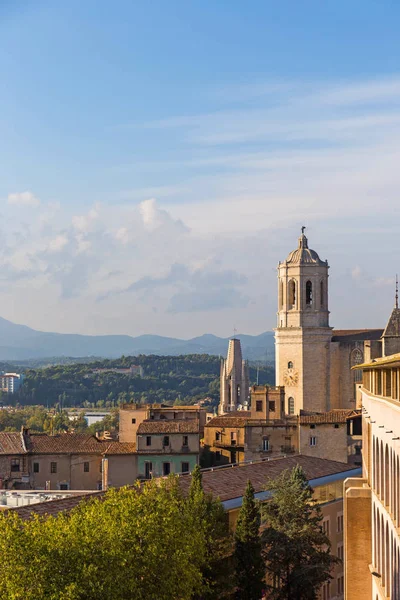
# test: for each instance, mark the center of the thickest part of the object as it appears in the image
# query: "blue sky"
(158, 159)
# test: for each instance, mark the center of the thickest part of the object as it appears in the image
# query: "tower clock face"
(290, 377)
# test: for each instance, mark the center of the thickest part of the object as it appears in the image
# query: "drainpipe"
(104, 474)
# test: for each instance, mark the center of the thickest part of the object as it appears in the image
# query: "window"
(326, 526)
(185, 467)
(290, 365)
(185, 441)
(148, 468)
(292, 294)
(309, 294)
(340, 585)
(291, 406)
(53, 467)
(358, 450)
(339, 521)
(321, 292)
(326, 591)
(36, 467)
(233, 438)
(148, 440)
(218, 455)
(217, 436)
(265, 445)
(340, 551)
(233, 457)
(166, 468)
(133, 421)
(336, 425)
(86, 467)
(271, 405)
(312, 426)
(15, 465)
(259, 405)
(64, 486)
(166, 440)
(313, 440)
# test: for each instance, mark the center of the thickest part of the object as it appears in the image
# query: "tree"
(248, 559)
(210, 518)
(296, 549)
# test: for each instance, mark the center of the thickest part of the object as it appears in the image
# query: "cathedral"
(313, 361)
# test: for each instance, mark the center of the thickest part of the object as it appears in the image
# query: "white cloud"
(23, 199)
(58, 243)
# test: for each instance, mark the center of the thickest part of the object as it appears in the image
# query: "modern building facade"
(372, 504)
(11, 382)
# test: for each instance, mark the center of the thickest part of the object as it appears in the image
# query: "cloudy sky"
(157, 159)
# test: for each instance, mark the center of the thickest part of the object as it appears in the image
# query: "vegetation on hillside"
(169, 379)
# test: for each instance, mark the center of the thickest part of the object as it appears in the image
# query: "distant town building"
(234, 377)
(11, 382)
(131, 371)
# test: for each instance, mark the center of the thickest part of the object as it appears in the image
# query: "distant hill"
(19, 343)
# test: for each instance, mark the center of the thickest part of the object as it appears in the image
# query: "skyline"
(158, 163)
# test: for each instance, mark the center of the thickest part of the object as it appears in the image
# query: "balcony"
(231, 444)
(288, 449)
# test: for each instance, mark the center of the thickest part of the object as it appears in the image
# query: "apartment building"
(372, 504)
(11, 382)
(167, 446)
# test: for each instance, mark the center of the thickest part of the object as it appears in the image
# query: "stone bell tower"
(303, 335)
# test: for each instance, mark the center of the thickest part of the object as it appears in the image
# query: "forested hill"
(172, 379)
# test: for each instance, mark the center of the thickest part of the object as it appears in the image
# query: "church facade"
(312, 360)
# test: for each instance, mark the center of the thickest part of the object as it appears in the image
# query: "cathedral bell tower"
(303, 335)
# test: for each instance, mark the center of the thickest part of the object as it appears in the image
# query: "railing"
(228, 444)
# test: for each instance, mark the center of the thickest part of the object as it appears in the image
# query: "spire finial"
(303, 229)
(397, 292)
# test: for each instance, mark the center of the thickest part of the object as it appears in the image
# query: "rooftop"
(235, 418)
(304, 255)
(167, 426)
(333, 416)
(354, 335)
(386, 361)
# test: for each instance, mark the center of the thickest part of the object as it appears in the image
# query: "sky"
(157, 160)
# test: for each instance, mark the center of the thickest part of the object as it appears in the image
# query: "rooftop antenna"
(397, 291)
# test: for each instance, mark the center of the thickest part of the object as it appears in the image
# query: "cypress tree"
(297, 551)
(248, 560)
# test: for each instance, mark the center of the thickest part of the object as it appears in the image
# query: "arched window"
(321, 293)
(290, 365)
(357, 358)
(309, 294)
(291, 406)
(292, 293)
(281, 294)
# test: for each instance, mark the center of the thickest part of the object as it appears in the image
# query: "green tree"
(212, 520)
(248, 559)
(296, 549)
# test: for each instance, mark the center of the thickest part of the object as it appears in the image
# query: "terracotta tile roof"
(230, 482)
(11, 443)
(233, 419)
(112, 448)
(64, 443)
(167, 426)
(333, 416)
(53, 507)
(353, 335)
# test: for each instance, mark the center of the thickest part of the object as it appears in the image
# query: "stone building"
(314, 361)
(234, 393)
(372, 503)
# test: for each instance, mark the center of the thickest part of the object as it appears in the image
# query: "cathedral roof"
(354, 335)
(304, 255)
(393, 326)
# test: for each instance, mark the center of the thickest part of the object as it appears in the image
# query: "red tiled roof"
(53, 507)
(230, 482)
(167, 426)
(64, 443)
(235, 418)
(112, 448)
(333, 416)
(11, 443)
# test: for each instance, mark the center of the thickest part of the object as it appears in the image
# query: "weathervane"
(303, 229)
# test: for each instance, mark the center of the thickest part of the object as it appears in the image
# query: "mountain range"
(19, 342)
